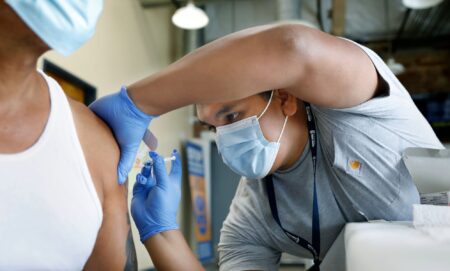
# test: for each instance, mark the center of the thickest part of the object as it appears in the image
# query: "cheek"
(271, 127)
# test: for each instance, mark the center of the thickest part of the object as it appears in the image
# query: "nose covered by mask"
(63, 25)
(244, 148)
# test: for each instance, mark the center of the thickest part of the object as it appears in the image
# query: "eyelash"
(232, 117)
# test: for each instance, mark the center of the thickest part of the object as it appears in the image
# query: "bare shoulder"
(100, 148)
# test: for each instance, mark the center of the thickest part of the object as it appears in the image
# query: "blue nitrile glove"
(128, 124)
(156, 197)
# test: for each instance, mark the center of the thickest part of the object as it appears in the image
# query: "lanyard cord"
(313, 248)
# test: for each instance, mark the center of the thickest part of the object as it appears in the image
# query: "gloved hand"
(127, 123)
(156, 197)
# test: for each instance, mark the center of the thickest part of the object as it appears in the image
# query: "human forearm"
(169, 251)
(231, 68)
(154, 206)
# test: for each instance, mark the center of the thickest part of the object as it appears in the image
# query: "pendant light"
(190, 17)
(396, 67)
(421, 4)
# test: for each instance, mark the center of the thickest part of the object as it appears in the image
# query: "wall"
(427, 74)
(425, 70)
(129, 44)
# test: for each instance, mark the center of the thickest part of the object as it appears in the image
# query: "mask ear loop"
(267, 106)
(282, 129)
(285, 119)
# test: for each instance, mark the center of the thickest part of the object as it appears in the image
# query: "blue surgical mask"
(244, 148)
(64, 25)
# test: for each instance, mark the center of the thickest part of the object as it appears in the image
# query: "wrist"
(153, 231)
(166, 235)
(133, 107)
(137, 95)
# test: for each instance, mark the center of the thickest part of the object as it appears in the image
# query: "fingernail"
(153, 154)
(121, 180)
(141, 179)
(174, 151)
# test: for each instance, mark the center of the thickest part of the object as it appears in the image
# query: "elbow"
(292, 38)
(293, 43)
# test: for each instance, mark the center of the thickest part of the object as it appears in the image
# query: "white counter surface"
(386, 246)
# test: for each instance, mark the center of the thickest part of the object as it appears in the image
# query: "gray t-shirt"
(360, 176)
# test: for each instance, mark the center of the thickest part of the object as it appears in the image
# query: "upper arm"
(312, 65)
(335, 73)
(114, 248)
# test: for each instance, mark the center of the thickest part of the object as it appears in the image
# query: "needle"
(166, 159)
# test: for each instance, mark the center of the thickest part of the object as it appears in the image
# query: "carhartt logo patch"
(354, 167)
(354, 164)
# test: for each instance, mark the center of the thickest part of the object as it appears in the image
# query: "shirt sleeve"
(396, 101)
(390, 117)
(242, 245)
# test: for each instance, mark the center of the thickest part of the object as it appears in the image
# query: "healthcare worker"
(315, 124)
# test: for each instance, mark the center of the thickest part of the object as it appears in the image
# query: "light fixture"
(190, 17)
(421, 4)
(394, 66)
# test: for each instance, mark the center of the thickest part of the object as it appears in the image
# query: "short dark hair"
(266, 94)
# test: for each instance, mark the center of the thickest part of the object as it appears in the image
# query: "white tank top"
(50, 213)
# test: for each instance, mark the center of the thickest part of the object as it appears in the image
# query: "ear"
(288, 102)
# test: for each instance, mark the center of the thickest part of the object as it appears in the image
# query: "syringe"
(149, 160)
(146, 169)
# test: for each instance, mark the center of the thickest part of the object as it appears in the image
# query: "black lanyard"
(313, 248)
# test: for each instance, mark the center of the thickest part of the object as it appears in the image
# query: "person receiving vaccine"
(60, 205)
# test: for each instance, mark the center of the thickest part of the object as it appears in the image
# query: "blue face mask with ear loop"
(65, 25)
(244, 148)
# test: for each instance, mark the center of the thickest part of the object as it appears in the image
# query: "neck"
(296, 137)
(18, 76)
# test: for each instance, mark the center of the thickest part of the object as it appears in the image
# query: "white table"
(386, 246)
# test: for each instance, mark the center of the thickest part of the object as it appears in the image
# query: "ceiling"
(366, 21)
